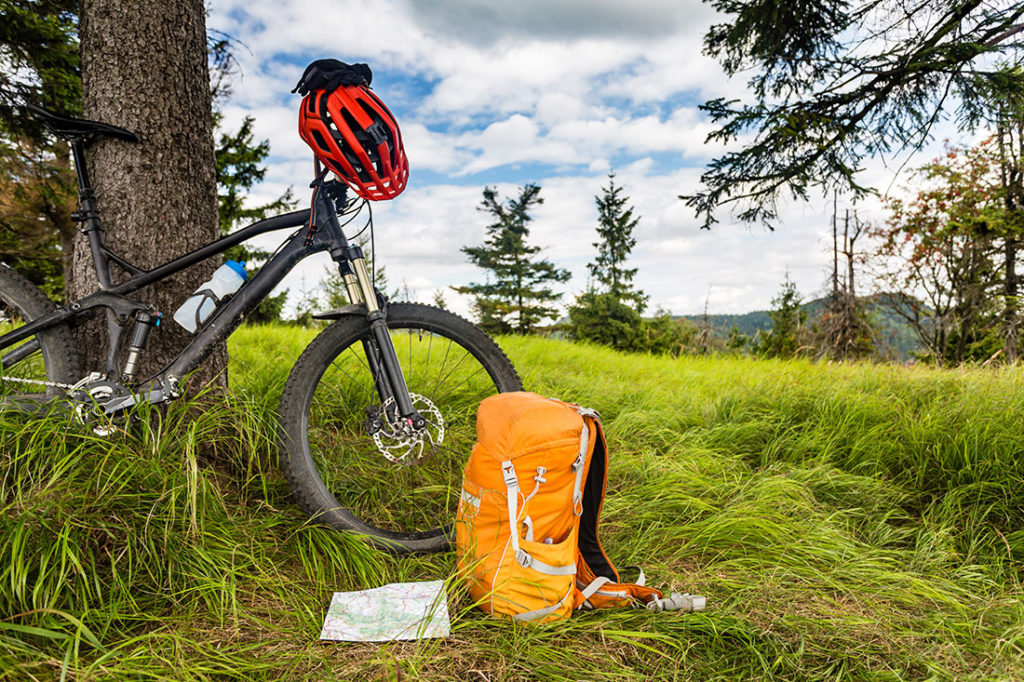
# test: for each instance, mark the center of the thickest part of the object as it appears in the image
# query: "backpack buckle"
(508, 471)
(580, 458)
(378, 133)
(523, 558)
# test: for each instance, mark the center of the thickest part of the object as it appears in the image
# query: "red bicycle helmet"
(355, 136)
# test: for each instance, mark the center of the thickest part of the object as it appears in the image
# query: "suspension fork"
(379, 349)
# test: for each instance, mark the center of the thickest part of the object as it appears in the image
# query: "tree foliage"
(615, 225)
(604, 319)
(239, 161)
(34, 200)
(944, 247)
(239, 169)
(609, 313)
(835, 83)
(788, 335)
(38, 62)
(516, 296)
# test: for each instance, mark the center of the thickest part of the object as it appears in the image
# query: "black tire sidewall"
(55, 343)
(297, 461)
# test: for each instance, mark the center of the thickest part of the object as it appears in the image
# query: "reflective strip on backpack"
(471, 499)
(578, 467)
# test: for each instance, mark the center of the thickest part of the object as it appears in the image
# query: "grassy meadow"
(843, 521)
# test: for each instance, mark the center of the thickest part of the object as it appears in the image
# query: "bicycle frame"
(322, 232)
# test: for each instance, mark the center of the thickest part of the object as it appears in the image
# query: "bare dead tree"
(704, 338)
(845, 332)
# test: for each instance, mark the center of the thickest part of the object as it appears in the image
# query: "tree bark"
(1010, 299)
(144, 67)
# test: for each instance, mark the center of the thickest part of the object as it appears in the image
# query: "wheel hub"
(397, 439)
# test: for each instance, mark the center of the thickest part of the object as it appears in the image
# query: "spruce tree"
(39, 42)
(789, 319)
(516, 295)
(833, 83)
(615, 228)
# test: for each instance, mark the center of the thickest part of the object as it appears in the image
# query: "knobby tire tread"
(295, 460)
(59, 351)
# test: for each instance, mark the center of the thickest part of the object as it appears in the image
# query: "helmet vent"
(350, 120)
(376, 115)
(347, 129)
(320, 141)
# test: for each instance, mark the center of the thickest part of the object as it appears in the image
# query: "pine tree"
(516, 295)
(40, 40)
(239, 169)
(603, 319)
(615, 228)
(833, 83)
(39, 48)
(785, 339)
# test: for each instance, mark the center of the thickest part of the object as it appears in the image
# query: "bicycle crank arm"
(154, 396)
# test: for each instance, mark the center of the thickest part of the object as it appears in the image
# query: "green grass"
(844, 521)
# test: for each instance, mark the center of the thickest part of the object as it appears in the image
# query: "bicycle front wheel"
(350, 464)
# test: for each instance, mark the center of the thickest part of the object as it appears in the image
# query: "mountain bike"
(377, 416)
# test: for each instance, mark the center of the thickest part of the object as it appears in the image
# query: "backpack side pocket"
(537, 583)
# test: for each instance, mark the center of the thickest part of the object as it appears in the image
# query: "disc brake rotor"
(399, 442)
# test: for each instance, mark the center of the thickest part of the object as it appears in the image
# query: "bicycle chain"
(55, 384)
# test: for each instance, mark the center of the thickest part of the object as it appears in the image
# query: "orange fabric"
(541, 438)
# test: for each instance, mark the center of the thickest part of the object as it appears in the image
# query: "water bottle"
(225, 281)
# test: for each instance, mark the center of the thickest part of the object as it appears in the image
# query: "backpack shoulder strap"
(596, 476)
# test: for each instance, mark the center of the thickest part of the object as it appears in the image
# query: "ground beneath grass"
(843, 521)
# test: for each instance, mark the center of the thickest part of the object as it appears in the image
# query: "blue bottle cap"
(239, 268)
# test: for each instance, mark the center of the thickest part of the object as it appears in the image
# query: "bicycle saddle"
(68, 127)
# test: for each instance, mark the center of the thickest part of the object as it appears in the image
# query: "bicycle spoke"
(422, 488)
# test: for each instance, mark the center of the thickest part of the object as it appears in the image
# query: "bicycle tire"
(340, 474)
(55, 360)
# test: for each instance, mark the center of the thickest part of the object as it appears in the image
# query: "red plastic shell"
(355, 135)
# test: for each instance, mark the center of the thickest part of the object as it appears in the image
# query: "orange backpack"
(526, 529)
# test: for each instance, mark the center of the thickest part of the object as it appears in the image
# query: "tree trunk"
(1010, 299)
(62, 206)
(835, 249)
(144, 67)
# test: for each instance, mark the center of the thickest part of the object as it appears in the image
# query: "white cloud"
(500, 93)
(481, 22)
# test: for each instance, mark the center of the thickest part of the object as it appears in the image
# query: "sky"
(533, 91)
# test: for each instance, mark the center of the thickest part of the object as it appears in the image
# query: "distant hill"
(897, 336)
